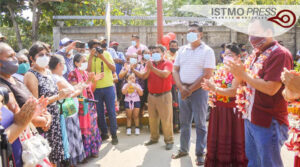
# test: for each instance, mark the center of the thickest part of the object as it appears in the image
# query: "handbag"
(35, 148)
(69, 107)
(85, 105)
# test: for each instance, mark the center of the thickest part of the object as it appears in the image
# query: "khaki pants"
(160, 108)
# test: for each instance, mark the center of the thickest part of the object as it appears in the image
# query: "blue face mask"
(65, 70)
(192, 37)
(23, 68)
(132, 60)
(156, 57)
(133, 43)
(147, 56)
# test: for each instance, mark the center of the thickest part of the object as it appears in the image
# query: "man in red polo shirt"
(266, 123)
(159, 75)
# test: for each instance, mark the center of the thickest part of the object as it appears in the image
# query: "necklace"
(253, 65)
(222, 79)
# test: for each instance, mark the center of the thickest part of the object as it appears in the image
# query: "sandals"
(201, 162)
(179, 154)
(198, 163)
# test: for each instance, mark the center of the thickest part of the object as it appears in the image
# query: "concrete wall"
(214, 36)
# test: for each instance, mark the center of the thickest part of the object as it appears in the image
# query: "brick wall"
(214, 36)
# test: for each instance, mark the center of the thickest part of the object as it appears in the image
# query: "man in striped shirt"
(195, 62)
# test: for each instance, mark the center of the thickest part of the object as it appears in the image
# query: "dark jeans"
(107, 96)
(194, 106)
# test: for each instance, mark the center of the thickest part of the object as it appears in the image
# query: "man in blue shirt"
(119, 61)
(68, 50)
(120, 58)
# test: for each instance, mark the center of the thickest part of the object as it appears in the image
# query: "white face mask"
(83, 66)
(43, 61)
(71, 53)
(227, 59)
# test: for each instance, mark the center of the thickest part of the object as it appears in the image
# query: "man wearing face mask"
(159, 75)
(119, 61)
(136, 48)
(172, 52)
(68, 50)
(266, 123)
(102, 63)
(111, 51)
(194, 63)
(171, 56)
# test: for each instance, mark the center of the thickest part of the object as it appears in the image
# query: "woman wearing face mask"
(88, 122)
(40, 83)
(76, 150)
(225, 139)
(24, 66)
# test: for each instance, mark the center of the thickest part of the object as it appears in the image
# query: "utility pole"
(160, 28)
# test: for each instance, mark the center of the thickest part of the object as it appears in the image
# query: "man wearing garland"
(266, 123)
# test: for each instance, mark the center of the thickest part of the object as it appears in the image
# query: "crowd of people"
(65, 97)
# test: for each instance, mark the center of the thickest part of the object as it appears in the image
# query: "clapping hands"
(209, 85)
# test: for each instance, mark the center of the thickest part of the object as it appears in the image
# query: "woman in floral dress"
(88, 123)
(40, 83)
(225, 137)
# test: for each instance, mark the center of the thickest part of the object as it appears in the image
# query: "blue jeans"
(263, 145)
(107, 96)
(195, 106)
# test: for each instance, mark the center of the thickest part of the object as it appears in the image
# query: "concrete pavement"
(130, 152)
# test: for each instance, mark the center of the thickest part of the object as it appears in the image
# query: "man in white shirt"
(194, 63)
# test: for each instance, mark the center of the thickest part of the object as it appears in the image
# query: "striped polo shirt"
(193, 62)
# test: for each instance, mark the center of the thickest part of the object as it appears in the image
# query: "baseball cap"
(65, 41)
(114, 43)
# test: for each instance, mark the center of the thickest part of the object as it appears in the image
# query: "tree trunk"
(34, 35)
(36, 13)
(16, 26)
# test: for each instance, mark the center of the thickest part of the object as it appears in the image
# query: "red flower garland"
(253, 65)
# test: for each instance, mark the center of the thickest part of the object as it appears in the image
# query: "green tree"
(10, 8)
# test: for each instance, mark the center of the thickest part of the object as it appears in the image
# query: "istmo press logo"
(281, 18)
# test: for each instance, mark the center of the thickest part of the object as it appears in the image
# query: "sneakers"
(150, 142)
(137, 131)
(114, 140)
(104, 137)
(128, 132)
(169, 146)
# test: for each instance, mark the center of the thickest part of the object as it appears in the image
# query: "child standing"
(132, 92)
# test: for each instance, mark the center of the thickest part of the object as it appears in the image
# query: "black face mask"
(173, 50)
(103, 45)
(115, 48)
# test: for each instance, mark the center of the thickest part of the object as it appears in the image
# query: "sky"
(27, 14)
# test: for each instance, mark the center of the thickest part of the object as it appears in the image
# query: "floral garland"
(293, 144)
(252, 68)
(222, 79)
